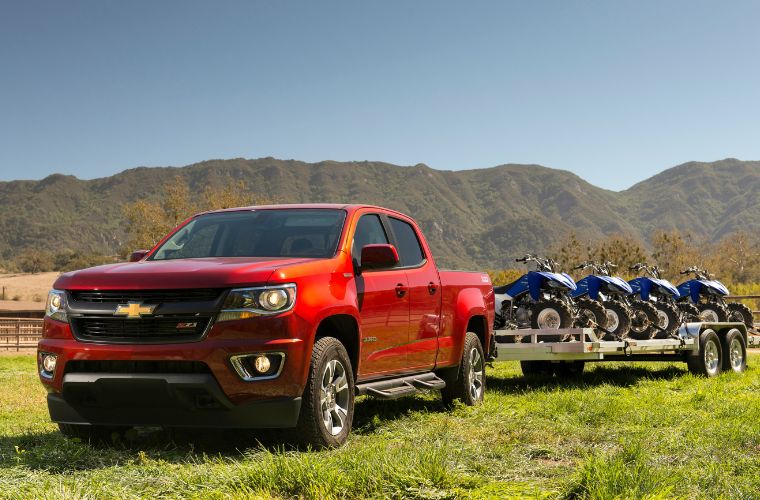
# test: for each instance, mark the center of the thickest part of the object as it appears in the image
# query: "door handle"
(400, 290)
(432, 288)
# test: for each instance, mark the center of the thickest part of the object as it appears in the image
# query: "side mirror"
(138, 255)
(379, 256)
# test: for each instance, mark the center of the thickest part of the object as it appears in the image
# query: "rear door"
(383, 303)
(424, 293)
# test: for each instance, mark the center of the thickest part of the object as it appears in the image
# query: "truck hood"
(213, 272)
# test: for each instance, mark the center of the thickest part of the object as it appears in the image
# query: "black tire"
(536, 368)
(326, 395)
(690, 311)
(713, 312)
(643, 320)
(86, 432)
(740, 313)
(734, 352)
(568, 369)
(552, 312)
(591, 314)
(669, 320)
(468, 382)
(709, 360)
(618, 319)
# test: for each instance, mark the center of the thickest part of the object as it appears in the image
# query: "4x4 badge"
(134, 310)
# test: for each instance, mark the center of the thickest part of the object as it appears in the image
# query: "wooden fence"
(23, 333)
(19, 333)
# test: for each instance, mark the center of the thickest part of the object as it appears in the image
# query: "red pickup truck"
(264, 317)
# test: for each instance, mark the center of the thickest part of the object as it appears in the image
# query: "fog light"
(48, 362)
(262, 364)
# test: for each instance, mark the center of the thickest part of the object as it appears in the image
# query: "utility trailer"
(707, 349)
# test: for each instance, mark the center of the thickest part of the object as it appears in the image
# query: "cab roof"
(333, 206)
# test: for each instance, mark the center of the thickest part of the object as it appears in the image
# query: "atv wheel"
(618, 319)
(668, 319)
(591, 314)
(690, 311)
(740, 313)
(643, 320)
(551, 314)
(713, 312)
(327, 406)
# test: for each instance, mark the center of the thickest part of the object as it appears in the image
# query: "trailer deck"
(527, 345)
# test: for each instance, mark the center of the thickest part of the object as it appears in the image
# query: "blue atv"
(705, 297)
(661, 294)
(539, 299)
(601, 294)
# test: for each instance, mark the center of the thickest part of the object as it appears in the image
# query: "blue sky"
(613, 91)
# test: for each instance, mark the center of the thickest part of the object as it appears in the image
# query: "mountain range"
(479, 218)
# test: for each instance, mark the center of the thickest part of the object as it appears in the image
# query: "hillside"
(473, 218)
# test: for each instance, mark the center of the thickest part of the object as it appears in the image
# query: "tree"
(150, 220)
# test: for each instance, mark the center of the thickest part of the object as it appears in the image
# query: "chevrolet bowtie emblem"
(134, 310)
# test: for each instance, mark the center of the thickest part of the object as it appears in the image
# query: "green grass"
(624, 431)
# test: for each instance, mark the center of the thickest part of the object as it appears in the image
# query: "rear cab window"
(409, 247)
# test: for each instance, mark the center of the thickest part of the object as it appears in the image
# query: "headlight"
(56, 305)
(242, 303)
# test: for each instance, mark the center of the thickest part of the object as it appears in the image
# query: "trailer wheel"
(643, 320)
(713, 312)
(86, 432)
(734, 352)
(668, 319)
(709, 360)
(618, 318)
(569, 369)
(470, 384)
(740, 313)
(536, 368)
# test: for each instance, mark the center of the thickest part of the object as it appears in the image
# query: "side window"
(369, 231)
(409, 249)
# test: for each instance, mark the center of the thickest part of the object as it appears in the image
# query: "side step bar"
(402, 386)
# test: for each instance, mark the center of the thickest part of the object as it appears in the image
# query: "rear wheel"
(643, 320)
(618, 318)
(591, 314)
(740, 313)
(689, 310)
(709, 360)
(469, 386)
(712, 312)
(668, 319)
(551, 314)
(327, 406)
(734, 352)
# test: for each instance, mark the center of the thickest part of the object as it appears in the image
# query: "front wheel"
(643, 320)
(551, 314)
(468, 382)
(327, 406)
(618, 319)
(690, 311)
(668, 319)
(591, 314)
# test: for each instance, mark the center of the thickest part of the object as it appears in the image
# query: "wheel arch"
(345, 328)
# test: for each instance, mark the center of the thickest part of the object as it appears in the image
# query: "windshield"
(257, 233)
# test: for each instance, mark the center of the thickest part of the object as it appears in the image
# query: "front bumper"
(172, 400)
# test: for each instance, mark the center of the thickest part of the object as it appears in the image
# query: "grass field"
(625, 431)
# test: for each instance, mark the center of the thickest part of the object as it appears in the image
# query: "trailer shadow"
(621, 376)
